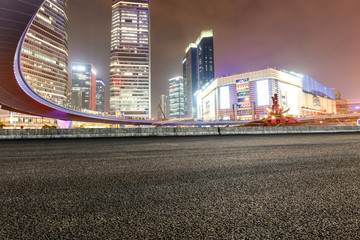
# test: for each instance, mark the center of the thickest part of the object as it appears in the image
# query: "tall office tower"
(192, 78)
(84, 85)
(185, 85)
(177, 98)
(100, 94)
(198, 68)
(44, 55)
(130, 84)
(205, 44)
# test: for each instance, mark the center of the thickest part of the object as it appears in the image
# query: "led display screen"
(225, 97)
(262, 88)
(293, 98)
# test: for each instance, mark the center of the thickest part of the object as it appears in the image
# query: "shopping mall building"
(247, 96)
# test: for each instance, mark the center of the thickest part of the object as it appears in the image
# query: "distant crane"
(160, 113)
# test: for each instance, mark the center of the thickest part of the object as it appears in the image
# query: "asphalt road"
(238, 187)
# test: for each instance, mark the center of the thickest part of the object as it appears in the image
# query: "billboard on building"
(225, 97)
(262, 89)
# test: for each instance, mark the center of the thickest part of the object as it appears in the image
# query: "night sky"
(320, 38)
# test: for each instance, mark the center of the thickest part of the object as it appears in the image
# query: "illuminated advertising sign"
(244, 105)
(358, 122)
(225, 97)
(242, 84)
(242, 80)
(262, 91)
(293, 99)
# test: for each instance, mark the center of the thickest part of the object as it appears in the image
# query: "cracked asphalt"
(223, 187)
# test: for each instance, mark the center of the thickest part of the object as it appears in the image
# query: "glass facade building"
(130, 85)
(198, 68)
(205, 45)
(191, 77)
(100, 95)
(314, 87)
(185, 84)
(44, 55)
(83, 76)
(177, 98)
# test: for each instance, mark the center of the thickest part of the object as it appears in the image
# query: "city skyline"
(304, 41)
(265, 154)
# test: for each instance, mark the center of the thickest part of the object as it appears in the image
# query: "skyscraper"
(84, 84)
(177, 98)
(191, 76)
(185, 85)
(205, 44)
(198, 68)
(100, 92)
(130, 85)
(44, 55)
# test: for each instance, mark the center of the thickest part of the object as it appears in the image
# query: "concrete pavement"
(220, 187)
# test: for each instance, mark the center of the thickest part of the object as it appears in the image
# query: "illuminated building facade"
(246, 96)
(44, 55)
(130, 85)
(15, 92)
(100, 95)
(14, 120)
(83, 76)
(185, 85)
(198, 68)
(177, 98)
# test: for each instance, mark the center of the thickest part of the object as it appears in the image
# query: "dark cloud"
(317, 37)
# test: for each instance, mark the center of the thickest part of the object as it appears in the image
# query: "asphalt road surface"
(236, 187)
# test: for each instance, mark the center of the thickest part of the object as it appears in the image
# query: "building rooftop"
(204, 34)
